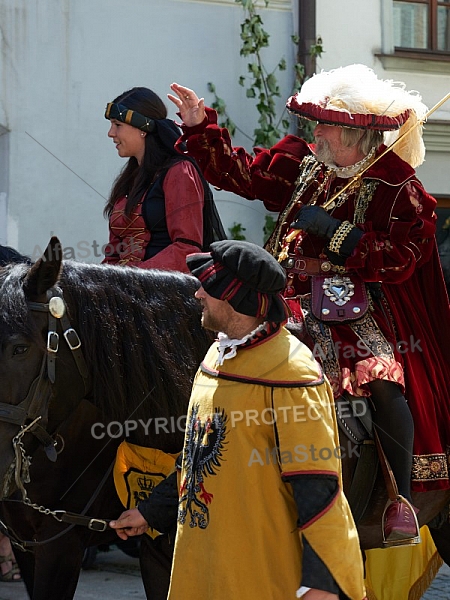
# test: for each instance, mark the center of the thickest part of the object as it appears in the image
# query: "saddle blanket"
(402, 573)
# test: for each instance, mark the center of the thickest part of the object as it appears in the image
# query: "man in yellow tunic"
(261, 511)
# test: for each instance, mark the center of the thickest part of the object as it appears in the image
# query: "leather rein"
(31, 416)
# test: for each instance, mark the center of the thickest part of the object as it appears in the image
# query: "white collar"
(228, 347)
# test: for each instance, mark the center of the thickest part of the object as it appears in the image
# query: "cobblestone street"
(116, 577)
(440, 588)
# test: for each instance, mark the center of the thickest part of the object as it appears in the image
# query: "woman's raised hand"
(190, 106)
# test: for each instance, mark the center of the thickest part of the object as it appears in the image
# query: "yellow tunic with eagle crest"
(262, 415)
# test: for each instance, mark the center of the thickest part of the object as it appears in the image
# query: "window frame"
(432, 30)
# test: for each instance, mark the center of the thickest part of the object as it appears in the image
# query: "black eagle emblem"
(202, 456)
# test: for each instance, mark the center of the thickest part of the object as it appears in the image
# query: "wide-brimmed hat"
(354, 96)
(245, 275)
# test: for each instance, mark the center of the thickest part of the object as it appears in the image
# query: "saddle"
(354, 418)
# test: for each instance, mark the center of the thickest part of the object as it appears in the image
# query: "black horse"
(141, 343)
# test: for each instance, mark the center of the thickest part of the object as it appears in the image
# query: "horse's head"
(138, 331)
(32, 313)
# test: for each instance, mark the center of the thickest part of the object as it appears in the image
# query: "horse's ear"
(46, 270)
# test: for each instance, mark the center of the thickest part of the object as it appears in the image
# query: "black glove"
(347, 247)
(315, 220)
(160, 509)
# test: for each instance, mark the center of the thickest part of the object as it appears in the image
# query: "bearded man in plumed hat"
(364, 272)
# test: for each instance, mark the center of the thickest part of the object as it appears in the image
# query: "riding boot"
(395, 428)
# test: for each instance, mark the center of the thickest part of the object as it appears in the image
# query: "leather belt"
(307, 266)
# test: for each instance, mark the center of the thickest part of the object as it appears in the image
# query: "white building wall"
(350, 31)
(61, 61)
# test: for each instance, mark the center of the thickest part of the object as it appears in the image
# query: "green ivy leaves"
(261, 84)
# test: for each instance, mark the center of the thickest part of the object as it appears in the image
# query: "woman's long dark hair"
(135, 179)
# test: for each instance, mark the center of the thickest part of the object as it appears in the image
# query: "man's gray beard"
(323, 153)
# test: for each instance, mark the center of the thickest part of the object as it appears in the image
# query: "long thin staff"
(388, 149)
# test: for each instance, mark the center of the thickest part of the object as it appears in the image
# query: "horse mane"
(13, 310)
(15, 317)
(140, 329)
(10, 255)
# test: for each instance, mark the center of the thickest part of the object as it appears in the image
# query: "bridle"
(31, 414)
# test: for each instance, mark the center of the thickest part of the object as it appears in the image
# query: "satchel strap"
(306, 266)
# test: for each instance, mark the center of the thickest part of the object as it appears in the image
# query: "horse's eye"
(20, 350)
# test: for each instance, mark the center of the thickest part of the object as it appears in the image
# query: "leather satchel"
(338, 298)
